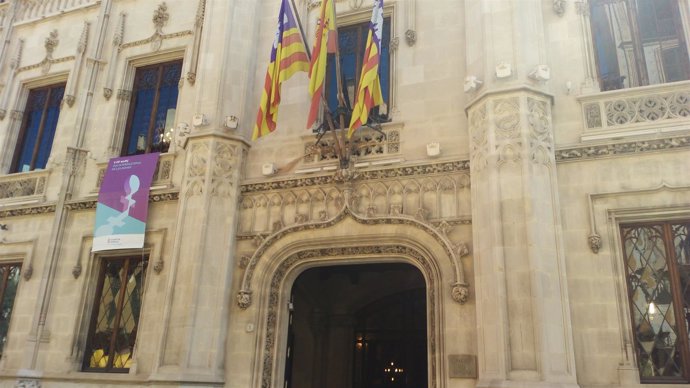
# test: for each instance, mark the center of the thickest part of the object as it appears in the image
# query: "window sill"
(636, 112)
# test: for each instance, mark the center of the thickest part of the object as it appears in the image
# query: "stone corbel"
(198, 28)
(14, 64)
(115, 52)
(559, 7)
(71, 87)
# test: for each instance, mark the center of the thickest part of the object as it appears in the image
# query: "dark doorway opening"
(358, 326)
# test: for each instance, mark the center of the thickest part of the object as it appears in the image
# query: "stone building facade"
(531, 178)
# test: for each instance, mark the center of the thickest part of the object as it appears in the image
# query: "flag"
(326, 41)
(369, 87)
(288, 56)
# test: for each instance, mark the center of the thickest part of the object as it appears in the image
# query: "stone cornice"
(362, 175)
(580, 153)
(77, 205)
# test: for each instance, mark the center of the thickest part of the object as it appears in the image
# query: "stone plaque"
(462, 366)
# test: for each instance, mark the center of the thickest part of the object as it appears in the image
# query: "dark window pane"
(38, 128)
(153, 108)
(9, 279)
(113, 330)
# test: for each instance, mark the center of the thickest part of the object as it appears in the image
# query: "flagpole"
(324, 104)
(341, 96)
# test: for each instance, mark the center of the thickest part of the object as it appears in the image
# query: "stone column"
(523, 317)
(195, 320)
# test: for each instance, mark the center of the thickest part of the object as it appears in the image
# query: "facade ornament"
(595, 242)
(114, 53)
(460, 292)
(243, 263)
(411, 37)
(50, 43)
(160, 17)
(27, 383)
(28, 272)
(258, 240)
(396, 209)
(181, 134)
(158, 267)
(421, 214)
(277, 225)
(371, 210)
(124, 95)
(76, 270)
(14, 64)
(559, 6)
(393, 46)
(300, 218)
(582, 8)
(444, 228)
(462, 249)
(244, 299)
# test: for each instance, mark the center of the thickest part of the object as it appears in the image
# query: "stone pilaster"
(522, 303)
(196, 311)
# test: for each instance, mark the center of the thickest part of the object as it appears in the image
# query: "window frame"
(681, 323)
(135, 69)
(95, 309)
(640, 65)
(23, 126)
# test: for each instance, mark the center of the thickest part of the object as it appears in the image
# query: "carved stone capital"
(411, 37)
(460, 292)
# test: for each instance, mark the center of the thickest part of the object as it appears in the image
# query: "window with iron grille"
(638, 42)
(9, 280)
(115, 318)
(657, 259)
(152, 109)
(352, 41)
(38, 128)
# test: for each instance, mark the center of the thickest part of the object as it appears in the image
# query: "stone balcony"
(649, 110)
(27, 187)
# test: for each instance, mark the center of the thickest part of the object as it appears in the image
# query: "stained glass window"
(115, 318)
(657, 258)
(352, 42)
(152, 110)
(38, 128)
(638, 42)
(9, 280)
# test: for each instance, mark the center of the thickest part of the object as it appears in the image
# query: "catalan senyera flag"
(326, 41)
(288, 56)
(369, 87)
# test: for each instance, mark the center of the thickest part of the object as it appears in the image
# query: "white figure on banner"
(131, 188)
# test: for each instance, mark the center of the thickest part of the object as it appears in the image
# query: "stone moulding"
(294, 260)
(618, 149)
(422, 169)
(459, 288)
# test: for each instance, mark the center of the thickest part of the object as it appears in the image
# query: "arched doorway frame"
(346, 239)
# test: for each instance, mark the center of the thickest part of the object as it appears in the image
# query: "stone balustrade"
(640, 111)
(23, 187)
(38, 9)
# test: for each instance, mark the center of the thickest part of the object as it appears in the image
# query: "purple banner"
(123, 201)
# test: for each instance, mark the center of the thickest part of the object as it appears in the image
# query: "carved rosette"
(595, 242)
(460, 292)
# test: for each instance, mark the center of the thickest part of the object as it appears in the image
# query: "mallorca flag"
(326, 41)
(288, 56)
(369, 88)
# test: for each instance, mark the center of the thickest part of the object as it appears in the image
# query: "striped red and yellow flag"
(369, 87)
(288, 56)
(326, 41)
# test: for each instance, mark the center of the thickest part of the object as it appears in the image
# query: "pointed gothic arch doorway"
(358, 326)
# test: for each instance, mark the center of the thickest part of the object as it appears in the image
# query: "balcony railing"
(23, 187)
(639, 111)
(31, 9)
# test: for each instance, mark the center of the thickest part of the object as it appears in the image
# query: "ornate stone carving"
(196, 170)
(160, 17)
(27, 211)
(478, 134)
(107, 93)
(607, 150)
(460, 292)
(50, 43)
(76, 270)
(244, 261)
(594, 241)
(124, 95)
(28, 272)
(394, 44)
(244, 299)
(27, 383)
(16, 186)
(582, 8)
(507, 117)
(540, 137)
(181, 134)
(411, 37)
(559, 7)
(158, 267)
(366, 143)
(462, 249)
(592, 115)
(223, 170)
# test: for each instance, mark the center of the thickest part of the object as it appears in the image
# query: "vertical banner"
(123, 202)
